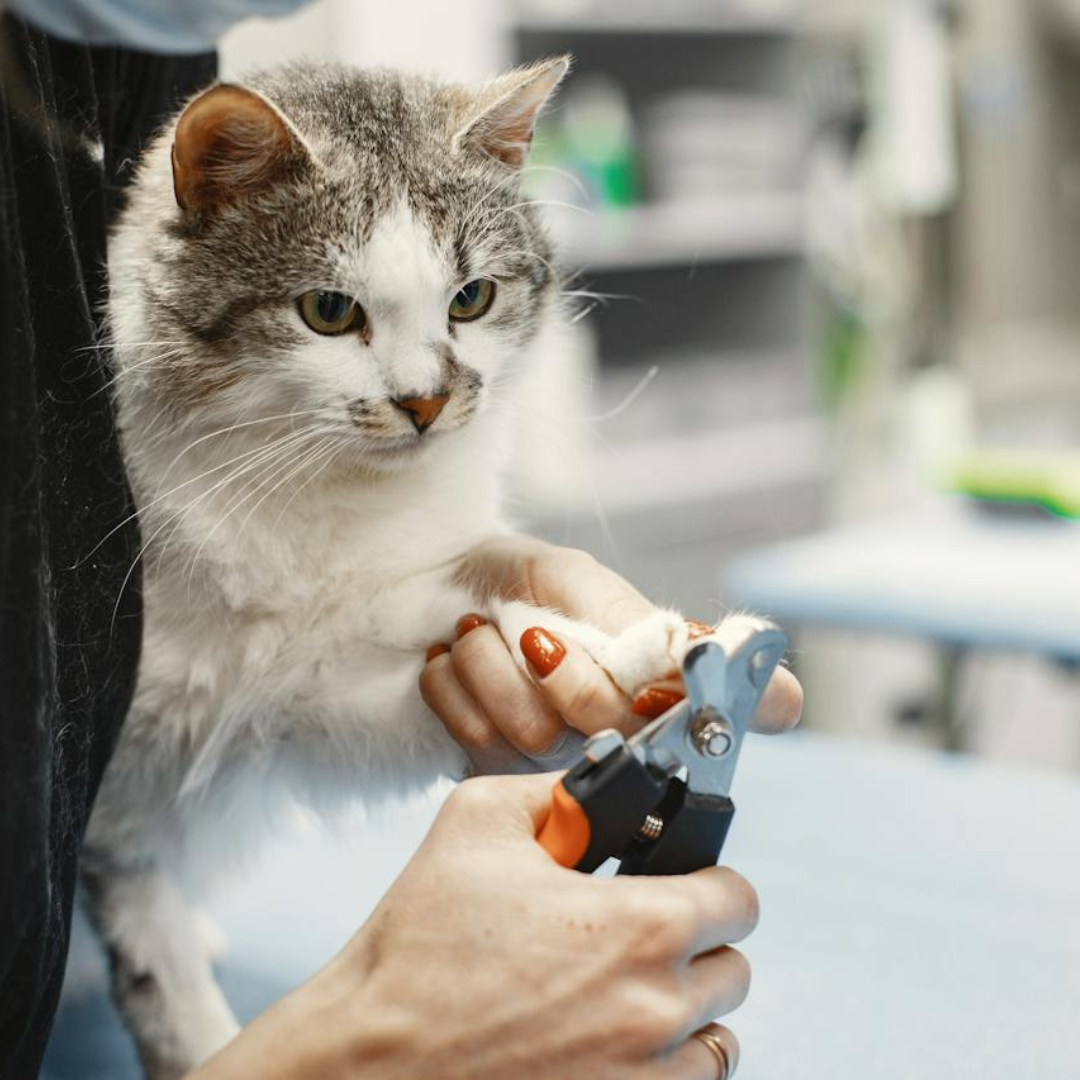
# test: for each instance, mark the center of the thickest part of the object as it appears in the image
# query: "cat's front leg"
(162, 975)
(160, 952)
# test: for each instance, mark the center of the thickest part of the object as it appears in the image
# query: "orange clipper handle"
(597, 809)
(566, 833)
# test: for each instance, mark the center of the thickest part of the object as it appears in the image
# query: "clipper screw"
(712, 735)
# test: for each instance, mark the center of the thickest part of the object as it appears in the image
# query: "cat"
(322, 290)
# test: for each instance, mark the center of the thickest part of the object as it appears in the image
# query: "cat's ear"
(504, 111)
(231, 143)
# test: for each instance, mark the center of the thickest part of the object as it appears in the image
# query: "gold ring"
(712, 1042)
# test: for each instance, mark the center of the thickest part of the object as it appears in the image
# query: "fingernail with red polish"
(542, 651)
(468, 623)
(437, 650)
(652, 702)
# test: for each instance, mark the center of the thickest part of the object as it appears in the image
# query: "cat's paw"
(646, 652)
(652, 651)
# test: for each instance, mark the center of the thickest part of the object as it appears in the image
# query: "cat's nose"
(423, 411)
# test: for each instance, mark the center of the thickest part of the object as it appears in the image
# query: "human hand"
(507, 720)
(486, 959)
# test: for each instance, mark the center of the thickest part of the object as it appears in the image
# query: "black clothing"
(71, 120)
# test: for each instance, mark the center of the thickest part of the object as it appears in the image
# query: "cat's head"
(349, 250)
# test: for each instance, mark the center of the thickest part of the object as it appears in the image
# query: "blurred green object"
(547, 158)
(599, 139)
(593, 139)
(1045, 479)
(843, 355)
(617, 179)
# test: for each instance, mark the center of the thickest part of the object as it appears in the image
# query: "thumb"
(508, 805)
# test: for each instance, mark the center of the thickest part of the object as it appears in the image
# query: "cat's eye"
(331, 312)
(472, 300)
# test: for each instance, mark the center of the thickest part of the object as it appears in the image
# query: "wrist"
(372, 1035)
(331, 1027)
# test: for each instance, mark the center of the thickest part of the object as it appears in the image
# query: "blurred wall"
(1020, 214)
(466, 40)
(256, 42)
(1016, 229)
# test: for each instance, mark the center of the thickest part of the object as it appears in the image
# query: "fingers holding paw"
(574, 684)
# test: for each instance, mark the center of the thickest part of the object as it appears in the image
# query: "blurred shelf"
(750, 226)
(675, 392)
(712, 465)
(717, 19)
(653, 475)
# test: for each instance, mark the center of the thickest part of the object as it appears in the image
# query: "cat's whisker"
(527, 253)
(322, 452)
(304, 459)
(599, 297)
(495, 189)
(274, 445)
(157, 431)
(628, 400)
(178, 516)
(584, 313)
(576, 207)
(493, 224)
(273, 470)
(597, 300)
(295, 414)
(566, 174)
(249, 473)
(335, 449)
(261, 475)
(156, 358)
(110, 345)
(494, 232)
(516, 208)
(172, 491)
(578, 437)
(131, 570)
(251, 461)
(182, 421)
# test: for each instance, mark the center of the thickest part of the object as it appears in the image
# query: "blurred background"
(825, 362)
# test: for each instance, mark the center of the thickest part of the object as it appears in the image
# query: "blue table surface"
(944, 571)
(921, 917)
